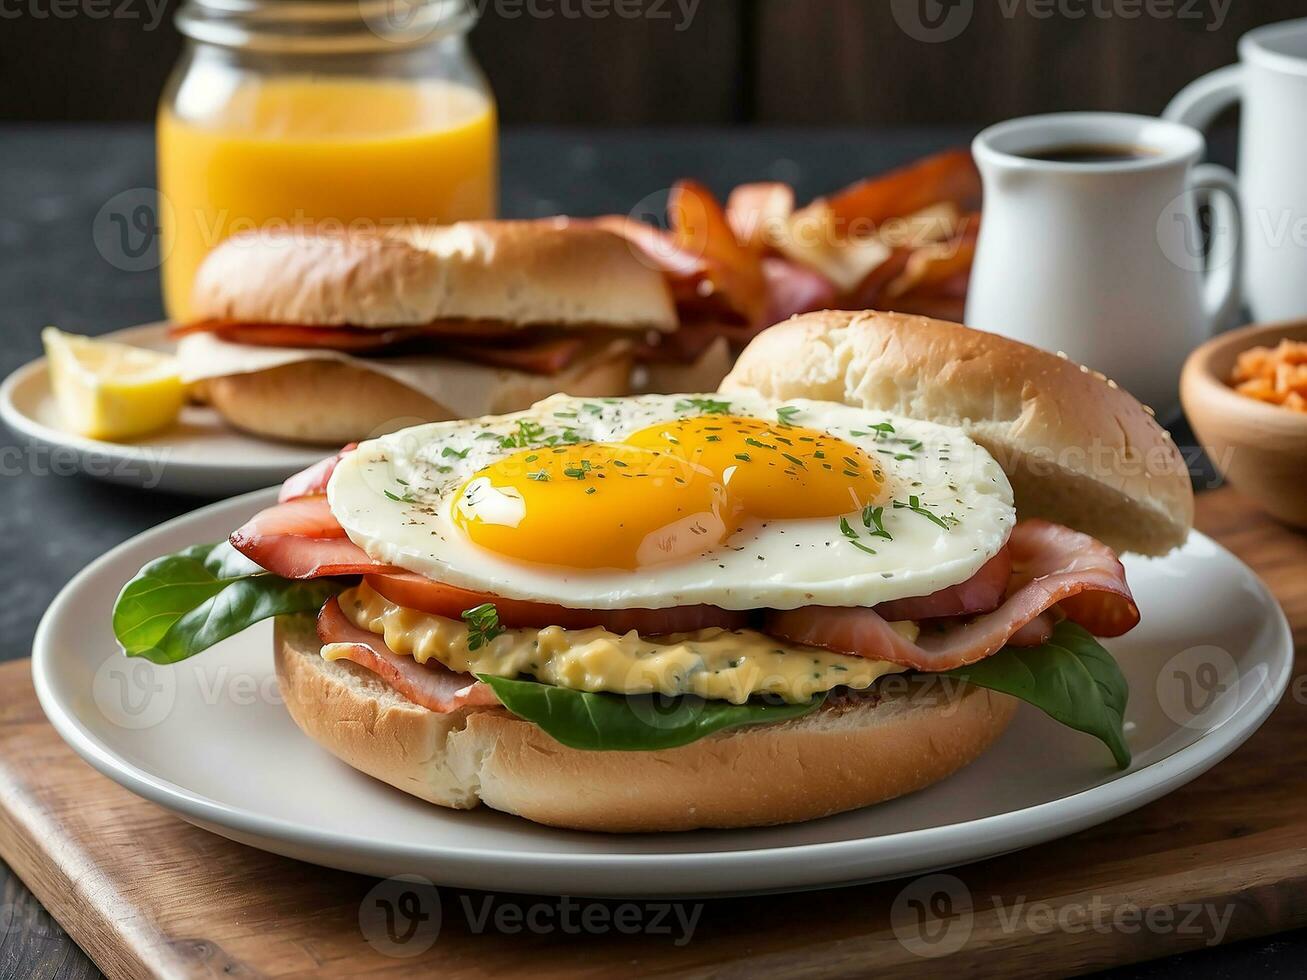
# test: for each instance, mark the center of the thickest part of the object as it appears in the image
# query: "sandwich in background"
(325, 337)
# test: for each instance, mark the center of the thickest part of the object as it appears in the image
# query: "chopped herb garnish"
(482, 625)
(742, 456)
(527, 434)
(456, 453)
(795, 460)
(786, 414)
(540, 476)
(706, 406)
(872, 519)
(852, 536)
(915, 505)
(405, 498)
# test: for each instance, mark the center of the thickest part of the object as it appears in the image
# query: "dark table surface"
(55, 180)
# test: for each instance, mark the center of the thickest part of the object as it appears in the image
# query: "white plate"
(209, 740)
(201, 454)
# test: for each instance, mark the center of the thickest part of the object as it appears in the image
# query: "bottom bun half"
(850, 753)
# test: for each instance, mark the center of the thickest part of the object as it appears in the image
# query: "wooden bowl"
(1260, 448)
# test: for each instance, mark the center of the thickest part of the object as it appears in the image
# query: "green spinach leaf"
(631, 723)
(1071, 678)
(183, 603)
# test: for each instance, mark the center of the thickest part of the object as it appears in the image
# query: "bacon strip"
(301, 539)
(431, 685)
(1054, 566)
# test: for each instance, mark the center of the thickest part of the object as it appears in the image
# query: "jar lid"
(322, 26)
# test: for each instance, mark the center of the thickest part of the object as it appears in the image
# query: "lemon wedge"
(107, 390)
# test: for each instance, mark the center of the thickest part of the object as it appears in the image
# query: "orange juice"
(349, 152)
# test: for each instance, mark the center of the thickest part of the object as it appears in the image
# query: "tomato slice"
(416, 592)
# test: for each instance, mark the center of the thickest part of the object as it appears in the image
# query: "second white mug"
(1271, 80)
(1104, 258)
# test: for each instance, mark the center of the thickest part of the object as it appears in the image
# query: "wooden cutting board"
(147, 894)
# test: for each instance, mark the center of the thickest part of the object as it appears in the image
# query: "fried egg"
(666, 500)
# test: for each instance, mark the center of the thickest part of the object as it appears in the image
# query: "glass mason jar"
(352, 113)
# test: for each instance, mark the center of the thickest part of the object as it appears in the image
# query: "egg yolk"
(670, 491)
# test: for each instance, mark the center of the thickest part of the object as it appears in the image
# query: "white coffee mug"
(1105, 260)
(1272, 82)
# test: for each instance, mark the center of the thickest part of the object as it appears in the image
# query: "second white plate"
(201, 454)
(209, 739)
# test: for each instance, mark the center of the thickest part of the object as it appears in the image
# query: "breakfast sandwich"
(822, 587)
(322, 337)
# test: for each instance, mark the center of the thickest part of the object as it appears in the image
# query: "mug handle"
(1203, 99)
(1219, 189)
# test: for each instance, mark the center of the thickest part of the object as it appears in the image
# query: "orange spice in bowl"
(1277, 375)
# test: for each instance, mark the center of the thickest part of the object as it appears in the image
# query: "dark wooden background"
(840, 62)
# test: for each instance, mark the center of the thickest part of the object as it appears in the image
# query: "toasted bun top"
(525, 273)
(1079, 450)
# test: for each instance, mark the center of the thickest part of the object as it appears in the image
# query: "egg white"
(394, 495)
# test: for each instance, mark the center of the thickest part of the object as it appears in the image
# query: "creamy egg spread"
(718, 664)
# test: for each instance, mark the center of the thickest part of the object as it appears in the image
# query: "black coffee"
(1089, 153)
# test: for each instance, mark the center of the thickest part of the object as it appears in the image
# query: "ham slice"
(509, 346)
(431, 685)
(300, 538)
(344, 337)
(982, 592)
(313, 480)
(1053, 567)
(547, 356)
